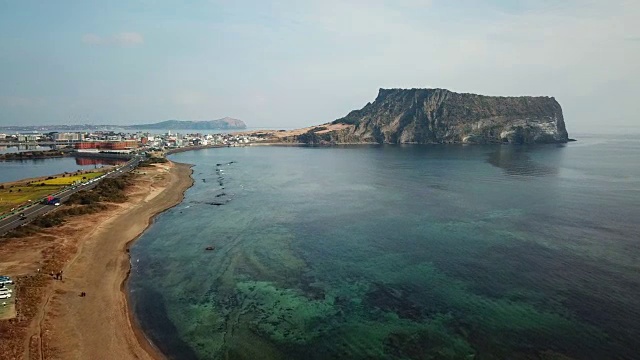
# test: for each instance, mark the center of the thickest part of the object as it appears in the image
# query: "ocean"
(398, 252)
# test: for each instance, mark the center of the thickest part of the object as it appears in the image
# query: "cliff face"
(436, 116)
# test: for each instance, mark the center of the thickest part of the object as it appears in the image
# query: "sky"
(289, 64)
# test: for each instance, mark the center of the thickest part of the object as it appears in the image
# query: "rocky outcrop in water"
(438, 116)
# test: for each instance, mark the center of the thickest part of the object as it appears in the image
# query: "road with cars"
(11, 222)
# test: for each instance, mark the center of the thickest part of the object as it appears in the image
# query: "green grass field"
(19, 194)
(72, 179)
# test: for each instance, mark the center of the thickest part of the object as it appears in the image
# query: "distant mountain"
(62, 128)
(226, 123)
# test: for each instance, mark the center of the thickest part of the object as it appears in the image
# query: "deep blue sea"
(398, 252)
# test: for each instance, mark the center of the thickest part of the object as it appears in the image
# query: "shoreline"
(53, 320)
(101, 268)
(192, 148)
(147, 344)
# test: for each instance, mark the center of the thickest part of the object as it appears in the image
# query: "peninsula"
(439, 116)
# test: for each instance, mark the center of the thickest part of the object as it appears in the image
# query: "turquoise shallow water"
(394, 252)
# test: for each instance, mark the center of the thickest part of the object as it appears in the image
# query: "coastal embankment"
(91, 251)
(190, 148)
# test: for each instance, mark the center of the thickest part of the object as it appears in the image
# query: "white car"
(6, 282)
(5, 290)
(5, 296)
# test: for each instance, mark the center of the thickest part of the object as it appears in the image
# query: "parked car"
(5, 296)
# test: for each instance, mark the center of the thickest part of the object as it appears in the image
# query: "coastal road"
(30, 213)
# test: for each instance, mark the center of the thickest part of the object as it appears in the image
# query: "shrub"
(153, 160)
(108, 190)
(88, 201)
(49, 220)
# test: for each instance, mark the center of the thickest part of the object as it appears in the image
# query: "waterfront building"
(68, 136)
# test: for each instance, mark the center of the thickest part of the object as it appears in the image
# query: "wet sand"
(92, 252)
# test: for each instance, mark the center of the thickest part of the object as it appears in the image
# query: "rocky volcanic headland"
(439, 116)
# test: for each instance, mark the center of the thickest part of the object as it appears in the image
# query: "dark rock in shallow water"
(218, 203)
(387, 298)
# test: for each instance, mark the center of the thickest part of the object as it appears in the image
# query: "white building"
(28, 138)
(68, 136)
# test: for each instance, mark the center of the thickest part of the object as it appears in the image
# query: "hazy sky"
(296, 63)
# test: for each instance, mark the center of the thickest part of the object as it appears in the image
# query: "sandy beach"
(54, 321)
